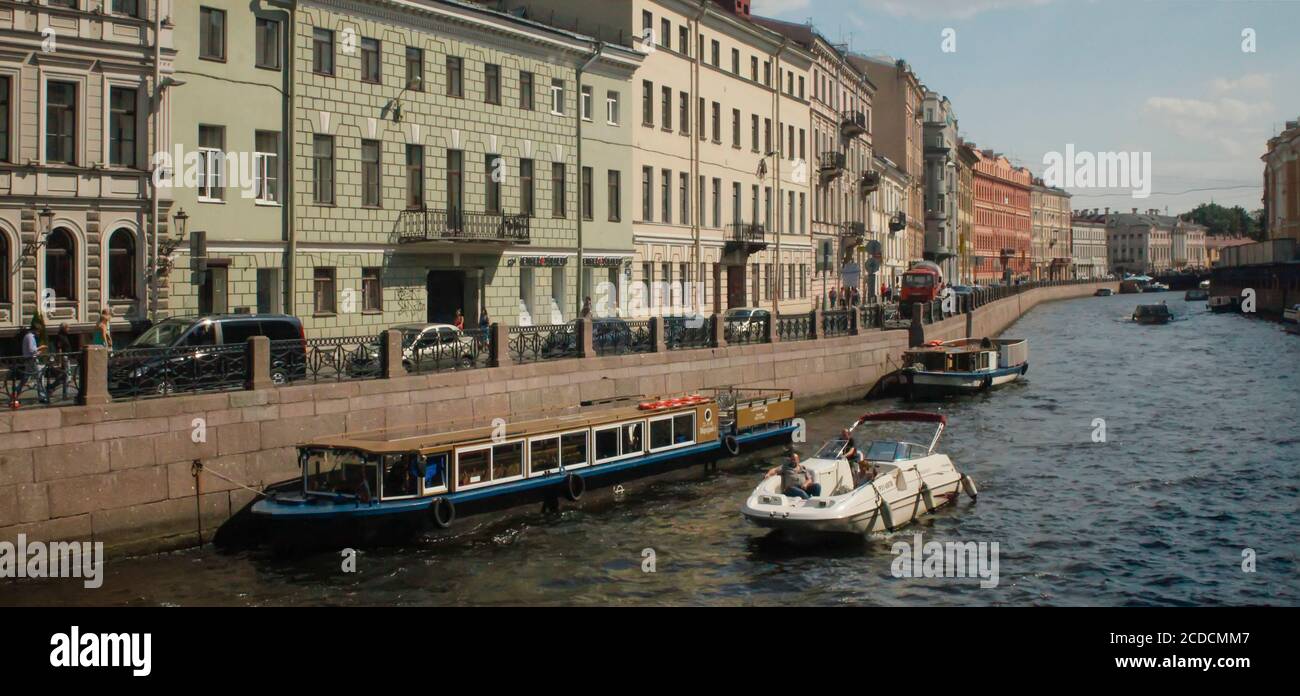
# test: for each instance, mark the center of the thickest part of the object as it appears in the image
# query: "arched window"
(121, 265)
(61, 264)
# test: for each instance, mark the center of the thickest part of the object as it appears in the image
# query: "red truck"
(921, 284)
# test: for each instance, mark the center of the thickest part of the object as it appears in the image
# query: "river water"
(1198, 472)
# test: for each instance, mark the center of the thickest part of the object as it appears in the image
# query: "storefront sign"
(543, 261)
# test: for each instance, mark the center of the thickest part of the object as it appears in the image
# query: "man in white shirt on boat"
(796, 481)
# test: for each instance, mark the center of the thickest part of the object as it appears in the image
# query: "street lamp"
(46, 217)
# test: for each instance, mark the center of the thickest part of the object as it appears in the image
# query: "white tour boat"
(892, 484)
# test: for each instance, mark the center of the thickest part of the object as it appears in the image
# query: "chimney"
(1107, 211)
(740, 8)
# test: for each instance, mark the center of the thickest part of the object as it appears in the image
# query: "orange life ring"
(934, 343)
(648, 405)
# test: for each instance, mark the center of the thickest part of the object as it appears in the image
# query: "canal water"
(1197, 474)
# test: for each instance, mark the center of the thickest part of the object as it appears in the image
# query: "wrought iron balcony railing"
(426, 225)
(748, 232)
(832, 162)
(853, 124)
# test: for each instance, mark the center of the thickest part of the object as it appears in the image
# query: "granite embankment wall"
(121, 473)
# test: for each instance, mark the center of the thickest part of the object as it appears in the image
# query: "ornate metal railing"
(795, 327)
(832, 161)
(621, 337)
(747, 232)
(146, 372)
(837, 322)
(854, 123)
(741, 331)
(682, 333)
(548, 342)
(325, 359)
(51, 379)
(424, 225)
(470, 350)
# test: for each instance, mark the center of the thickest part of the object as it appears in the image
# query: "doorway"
(446, 294)
(735, 286)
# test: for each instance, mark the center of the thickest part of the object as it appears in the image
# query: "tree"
(1226, 222)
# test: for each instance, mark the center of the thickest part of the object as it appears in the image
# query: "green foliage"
(1227, 222)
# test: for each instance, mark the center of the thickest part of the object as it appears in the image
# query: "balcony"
(831, 166)
(746, 237)
(869, 182)
(426, 225)
(854, 123)
(898, 221)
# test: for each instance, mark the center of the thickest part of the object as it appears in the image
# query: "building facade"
(1140, 243)
(1282, 184)
(966, 160)
(1050, 246)
(1003, 227)
(1187, 246)
(85, 99)
(1088, 245)
(898, 135)
(889, 216)
(941, 184)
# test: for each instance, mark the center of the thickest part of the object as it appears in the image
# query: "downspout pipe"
(288, 189)
(780, 128)
(692, 186)
(156, 291)
(597, 47)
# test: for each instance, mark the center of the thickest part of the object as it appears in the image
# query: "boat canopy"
(906, 416)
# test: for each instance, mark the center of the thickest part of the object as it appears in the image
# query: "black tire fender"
(443, 512)
(731, 444)
(574, 487)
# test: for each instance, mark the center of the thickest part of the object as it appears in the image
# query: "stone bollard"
(94, 376)
(916, 332)
(719, 331)
(658, 343)
(772, 335)
(586, 346)
(498, 345)
(816, 330)
(258, 367)
(854, 317)
(390, 355)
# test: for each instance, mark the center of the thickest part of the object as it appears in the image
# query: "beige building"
(1088, 244)
(1187, 246)
(1050, 248)
(889, 216)
(1140, 242)
(899, 135)
(84, 101)
(966, 160)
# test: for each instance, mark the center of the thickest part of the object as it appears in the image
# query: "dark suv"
(208, 352)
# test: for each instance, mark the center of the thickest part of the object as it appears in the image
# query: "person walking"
(61, 366)
(459, 321)
(33, 364)
(484, 321)
(103, 335)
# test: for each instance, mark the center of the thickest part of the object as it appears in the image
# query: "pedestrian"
(483, 320)
(103, 335)
(459, 321)
(58, 369)
(831, 294)
(857, 297)
(33, 364)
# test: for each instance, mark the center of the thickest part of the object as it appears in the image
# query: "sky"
(1199, 84)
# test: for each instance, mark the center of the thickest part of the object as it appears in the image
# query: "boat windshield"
(831, 450)
(341, 472)
(890, 451)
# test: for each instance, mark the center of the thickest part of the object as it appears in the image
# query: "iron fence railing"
(53, 379)
(681, 333)
(136, 373)
(547, 342)
(837, 322)
(742, 331)
(325, 359)
(422, 225)
(467, 351)
(795, 327)
(621, 337)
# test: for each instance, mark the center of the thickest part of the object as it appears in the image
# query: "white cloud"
(1229, 123)
(955, 9)
(1253, 82)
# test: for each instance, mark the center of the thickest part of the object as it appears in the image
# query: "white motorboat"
(964, 365)
(893, 484)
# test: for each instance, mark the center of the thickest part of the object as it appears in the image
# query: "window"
(619, 441)
(684, 40)
(717, 203)
(717, 122)
(372, 292)
(767, 73)
(61, 264)
(371, 173)
(586, 202)
(268, 291)
(212, 34)
(415, 177)
(666, 107)
(684, 197)
(699, 117)
(672, 431)
(322, 185)
(717, 55)
(267, 43)
(130, 8)
(455, 76)
(492, 84)
(666, 195)
(557, 97)
(753, 127)
(647, 195)
(526, 90)
(735, 128)
(557, 189)
(121, 266)
(666, 33)
(266, 167)
(615, 197)
(684, 114)
(526, 204)
(586, 105)
(455, 184)
(753, 68)
(735, 61)
(647, 103)
(61, 122)
(492, 182)
(323, 290)
(700, 198)
(611, 108)
(4, 121)
(415, 69)
(322, 57)
(212, 163)
(735, 202)
(121, 127)
(549, 454)
(767, 135)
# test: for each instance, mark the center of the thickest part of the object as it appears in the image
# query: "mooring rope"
(198, 467)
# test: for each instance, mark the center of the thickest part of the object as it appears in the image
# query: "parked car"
(740, 321)
(205, 352)
(426, 347)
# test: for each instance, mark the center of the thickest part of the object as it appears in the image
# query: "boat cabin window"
(930, 360)
(619, 441)
(573, 449)
(543, 456)
(887, 451)
(401, 475)
(341, 472)
(672, 431)
(496, 463)
(435, 473)
(831, 450)
(474, 467)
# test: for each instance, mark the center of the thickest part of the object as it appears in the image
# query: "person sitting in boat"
(796, 481)
(850, 451)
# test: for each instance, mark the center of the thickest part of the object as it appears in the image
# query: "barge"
(372, 486)
(964, 366)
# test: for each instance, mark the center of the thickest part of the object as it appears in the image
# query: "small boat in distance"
(1130, 287)
(1103, 292)
(1196, 295)
(964, 365)
(876, 487)
(1155, 286)
(1152, 314)
(1223, 303)
(1291, 314)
